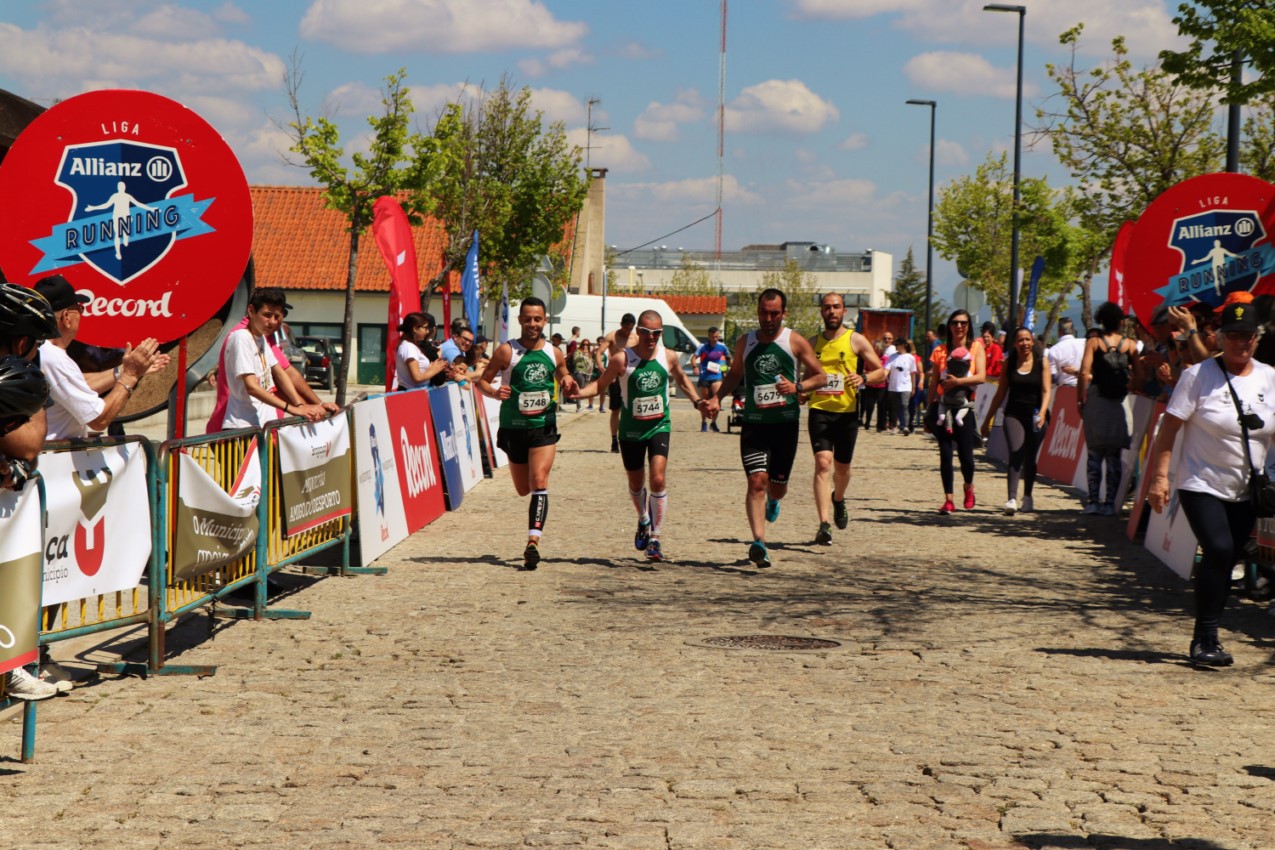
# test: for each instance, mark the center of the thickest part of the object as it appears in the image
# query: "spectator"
(961, 440)
(450, 350)
(581, 362)
(1026, 392)
(456, 353)
(251, 369)
(1065, 355)
(573, 344)
(1104, 381)
(413, 366)
(75, 409)
(995, 351)
(903, 376)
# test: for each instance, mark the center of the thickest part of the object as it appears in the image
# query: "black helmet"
(25, 312)
(23, 388)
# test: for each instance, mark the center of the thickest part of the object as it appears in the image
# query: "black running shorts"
(518, 442)
(769, 448)
(633, 452)
(833, 432)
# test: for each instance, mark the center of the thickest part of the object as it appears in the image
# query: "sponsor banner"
(440, 404)
(468, 447)
(1060, 458)
(1200, 240)
(380, 518)
(314, 469)
(214, 527)
(1169, 536)
(1140, 502)
(98, 537)
(1117, 293)
(997, 448)
(416, 456)
(490, 419)
(19, 577)
(1139, 413)
(138, 202)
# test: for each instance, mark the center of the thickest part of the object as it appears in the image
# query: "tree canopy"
(1218, 30)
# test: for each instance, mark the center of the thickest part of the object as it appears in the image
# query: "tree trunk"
(1086, 296)
(343, 374)
(1054, 310)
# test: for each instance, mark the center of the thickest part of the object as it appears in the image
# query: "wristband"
(286, 411)
(1192, 331)
(126, 387)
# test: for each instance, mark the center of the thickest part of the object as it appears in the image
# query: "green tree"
(909, 294)
(502, 172)
(397, 162)
(802, 289)
(1218, 30)
(973, 223)
(1257, 150)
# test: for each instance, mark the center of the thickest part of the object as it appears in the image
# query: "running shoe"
(1091, 508)
(615, 445)
(840, 515)
(1028, 505)
(772, 510)
(712, 426)
(969, 498)
(758, 555)
(1106, 510)
(1210, 653)
(642, 537)
(1011, 507)
(703, 427)
(823, 536)
(653, 552)
(531, 557)
(948, 507)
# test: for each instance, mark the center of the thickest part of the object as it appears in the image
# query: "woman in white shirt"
(902, 377)
(413, 368)
(1213, 468)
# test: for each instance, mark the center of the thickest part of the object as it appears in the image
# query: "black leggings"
(962, 439)
(870, 400)
(1024, 445)
(1222, 529)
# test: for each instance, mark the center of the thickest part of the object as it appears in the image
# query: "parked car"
(321, 359)
(288, 345)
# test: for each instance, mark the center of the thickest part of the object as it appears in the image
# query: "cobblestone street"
(1001, 682)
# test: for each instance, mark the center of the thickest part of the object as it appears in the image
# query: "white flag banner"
(99, 532)
(316, 472)
(214, 527)
(19, 576)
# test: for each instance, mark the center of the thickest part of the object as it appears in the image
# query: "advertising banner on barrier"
(213, 527)
(1060, 458)
(417, 455)
(19, 577)
(1169, 536)
(1139, 408)
(440, 404)
(381, 519)
(468, 447)
(489, 416)
(997, 448)
(98, 538)
(314, 468)
(1140, 499)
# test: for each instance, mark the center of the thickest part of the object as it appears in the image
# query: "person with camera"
(1225, 408)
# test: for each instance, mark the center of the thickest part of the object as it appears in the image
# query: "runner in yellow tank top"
(834, 409)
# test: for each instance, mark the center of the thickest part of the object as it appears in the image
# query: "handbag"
(1261, 490)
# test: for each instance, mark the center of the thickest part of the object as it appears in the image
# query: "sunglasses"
(650, 331)
(959, 322)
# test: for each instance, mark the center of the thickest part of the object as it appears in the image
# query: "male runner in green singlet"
(531, 373)
(766, 362)
(642, 372)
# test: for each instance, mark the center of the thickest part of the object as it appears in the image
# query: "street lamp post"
(1018, 152)
(929, 224)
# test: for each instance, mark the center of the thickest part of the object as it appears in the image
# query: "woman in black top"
(1025, 387)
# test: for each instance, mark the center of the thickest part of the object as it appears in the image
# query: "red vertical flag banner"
(393, 234)
(1116, 291)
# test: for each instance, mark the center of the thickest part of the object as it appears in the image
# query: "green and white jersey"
(644, 390)
(533, 399)
(764, 364)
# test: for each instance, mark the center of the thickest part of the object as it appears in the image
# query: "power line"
(667, 235)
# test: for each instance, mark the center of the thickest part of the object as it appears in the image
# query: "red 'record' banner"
(393, 234)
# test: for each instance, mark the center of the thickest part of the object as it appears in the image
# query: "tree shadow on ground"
(1102, 841)
(1260, 770)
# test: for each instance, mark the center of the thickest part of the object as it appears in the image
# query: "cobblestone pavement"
(1002, 683)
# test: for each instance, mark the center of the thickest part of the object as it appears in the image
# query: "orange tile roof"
(299, 244)
(712, 305)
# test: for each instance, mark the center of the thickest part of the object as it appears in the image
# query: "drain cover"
(782, 643)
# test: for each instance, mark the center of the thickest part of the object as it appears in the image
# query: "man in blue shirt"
(712, 359)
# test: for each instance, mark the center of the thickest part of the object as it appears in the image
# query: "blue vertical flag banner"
(1033, 288)
(469, 285)
(502, 320)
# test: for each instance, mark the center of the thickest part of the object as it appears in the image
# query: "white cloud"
(830, 193)
(779, 106)
(442, 26)
(948, 152)
(613, 152)
(558, 105)
(174, 22)
(355, 100)
(854, 142)
(963, 73)
(633, 50)
(231, 14)
(556, 61)
(698, 190)
(659, 121)
(1146, 24)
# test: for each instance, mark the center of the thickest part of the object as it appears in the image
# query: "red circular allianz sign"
(1200, 240)
(138, 202)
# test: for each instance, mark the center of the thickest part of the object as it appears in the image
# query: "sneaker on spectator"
(1091, 507)
(1028, 506)
(1011, 507)
(1106, 510)
(23, 685)
(57, 676)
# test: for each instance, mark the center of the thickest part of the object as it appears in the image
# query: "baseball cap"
(59, 292)
(1240, 317)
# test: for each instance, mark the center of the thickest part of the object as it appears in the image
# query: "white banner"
(1169, 535)
(381, 519)
(99, 532)
(314, 467)
(19, 576)
(491, 417)
(468, 448)
(213, 527)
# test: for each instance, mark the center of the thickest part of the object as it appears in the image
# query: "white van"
(586, 312)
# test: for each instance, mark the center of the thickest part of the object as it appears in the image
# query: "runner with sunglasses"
(642, 372)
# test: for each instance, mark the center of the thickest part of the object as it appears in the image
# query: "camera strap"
(1239, 412)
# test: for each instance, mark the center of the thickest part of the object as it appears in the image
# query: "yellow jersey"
(839, 362)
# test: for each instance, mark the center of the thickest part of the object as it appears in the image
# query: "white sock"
(639, 502)
(659, 506)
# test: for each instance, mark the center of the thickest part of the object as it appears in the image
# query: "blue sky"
(819, 144)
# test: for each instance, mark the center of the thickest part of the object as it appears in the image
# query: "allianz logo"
(1066, 442)
(420, 472)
